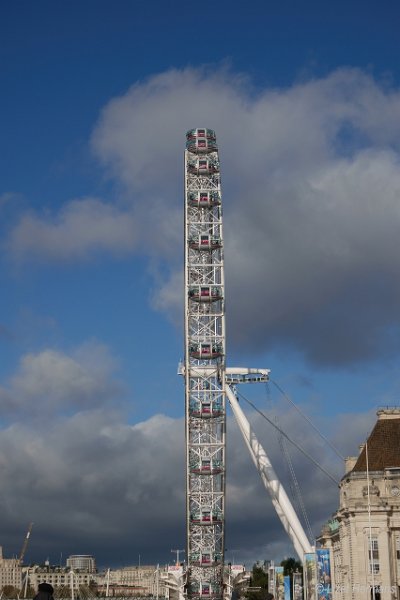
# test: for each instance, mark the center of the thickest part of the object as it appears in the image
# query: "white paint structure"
(204, 365)
(208, 381)
(280, 500)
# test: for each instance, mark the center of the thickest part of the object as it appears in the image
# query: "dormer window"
(392, 472)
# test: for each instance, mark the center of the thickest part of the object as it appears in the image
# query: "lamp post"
(177, 552)
(72, 585)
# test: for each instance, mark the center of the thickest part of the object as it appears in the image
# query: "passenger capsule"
(210, 590)
(205, 517)
(205, 351)
(204, 199)
(204, 589)
(206, 467)
(202, 165)
(205, 242)
(201, 141)
(201, 132)
(205, 293)
(205, 559)
(206, 410)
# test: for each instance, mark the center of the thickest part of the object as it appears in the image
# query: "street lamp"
(177, 556)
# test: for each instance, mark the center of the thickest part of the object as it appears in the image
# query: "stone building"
(10, 572)
(144, 580)
(364, 533)
(58, 577)
(82, 562)
(127, 581)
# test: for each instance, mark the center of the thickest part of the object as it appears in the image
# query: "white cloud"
(89, 480)
(167, 296)
(311, 186)
(51, 382)
(8, 198)
(140, 136)
(71, 464)
(311, 190)
(81, 228)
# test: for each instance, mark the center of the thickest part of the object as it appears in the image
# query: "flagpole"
(371, 560)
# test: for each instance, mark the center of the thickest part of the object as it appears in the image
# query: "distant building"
(146, 580)
(58, 577)
(82, 562)
(364, 533)
(80, 571)
(10, 571)
(127, 581)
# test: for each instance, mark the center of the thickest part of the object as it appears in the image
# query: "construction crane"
(25, 544)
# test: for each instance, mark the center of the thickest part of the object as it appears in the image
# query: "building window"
(376, 593)
(373, 554)
(398, 554)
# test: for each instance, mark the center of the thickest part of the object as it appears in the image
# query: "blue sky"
(95, 101)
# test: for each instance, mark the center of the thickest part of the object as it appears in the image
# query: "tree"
(290, 565)
(9, 591)
(258, 588)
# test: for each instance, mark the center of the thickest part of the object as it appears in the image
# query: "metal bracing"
(207, 381)
(204, 364)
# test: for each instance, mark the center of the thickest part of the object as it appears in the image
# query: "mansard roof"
(383, 443)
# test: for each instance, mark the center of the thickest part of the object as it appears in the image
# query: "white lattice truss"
(204, 362)
(208, 382)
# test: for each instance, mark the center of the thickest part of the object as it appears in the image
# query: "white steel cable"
(336, 451)
(296, 490)
(306, 454)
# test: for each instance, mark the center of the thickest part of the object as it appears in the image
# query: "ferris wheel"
(204, 365)
(209, 382)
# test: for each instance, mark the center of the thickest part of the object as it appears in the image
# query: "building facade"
(82, 562)
(144, 580)
(128, 581)
(364, 533)
(10, 572)
(58, 577)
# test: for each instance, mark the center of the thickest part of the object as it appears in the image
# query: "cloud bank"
(82, 227)
(93, 483)
(311, 191)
